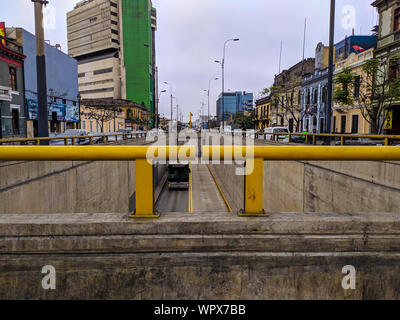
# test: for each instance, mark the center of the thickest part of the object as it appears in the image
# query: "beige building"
(94, 40)
(349, 119)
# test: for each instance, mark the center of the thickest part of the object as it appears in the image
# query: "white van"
(269, 134)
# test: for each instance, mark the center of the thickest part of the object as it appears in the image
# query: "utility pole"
(328, 111)
(43, 125)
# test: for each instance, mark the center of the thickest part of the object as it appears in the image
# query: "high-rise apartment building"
(113, 41)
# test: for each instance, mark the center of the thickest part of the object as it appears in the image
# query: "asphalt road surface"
(173, 200)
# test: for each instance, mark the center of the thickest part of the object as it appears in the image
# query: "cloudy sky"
(191, 34)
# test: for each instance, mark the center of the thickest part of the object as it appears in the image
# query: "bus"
(178, 175)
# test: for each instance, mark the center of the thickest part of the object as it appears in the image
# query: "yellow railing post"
(386, 141)
(144, 191)
(253, 185)
(306, 139)
(73, 141)
(342, 140)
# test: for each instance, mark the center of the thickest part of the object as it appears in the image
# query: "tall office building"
(113, 41)
(234, 102)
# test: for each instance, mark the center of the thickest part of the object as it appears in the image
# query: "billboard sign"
(72, 114)
(2, 33)
(58, 109)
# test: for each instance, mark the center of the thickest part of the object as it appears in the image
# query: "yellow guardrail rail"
(144, 157)
(104, 138)
(313, 137)
(256, 155)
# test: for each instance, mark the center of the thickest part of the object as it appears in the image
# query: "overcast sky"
(191, 34)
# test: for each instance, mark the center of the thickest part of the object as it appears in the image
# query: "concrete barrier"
(317, 186)
(200, 256)
(70, 186)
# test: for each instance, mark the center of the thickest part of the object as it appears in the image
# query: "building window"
(81, 75)
(315, 102)
(64, 101)
(114, 22)
(394, 70)
(321, 125)
(113, 4)
(13, 78)
(396, 22)
(343, 126)
(114, 14)
(357, 85)
(97, 126)
(354, 124)
(93, 19)
(84, 124)
(114, 31)
(101, 71)
(334, 125)
(15, 121)
(91, 126)
(115, 41)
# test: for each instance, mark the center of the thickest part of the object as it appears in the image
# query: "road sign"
(389, 120)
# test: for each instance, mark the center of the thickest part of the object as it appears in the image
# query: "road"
(173, 200)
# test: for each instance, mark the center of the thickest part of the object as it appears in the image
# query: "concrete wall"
(206, 256)
(340, 187)
(66, 187)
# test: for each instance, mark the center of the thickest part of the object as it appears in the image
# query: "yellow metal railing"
(256, 155)
(104, 138)
(144, 157)
(312, 137)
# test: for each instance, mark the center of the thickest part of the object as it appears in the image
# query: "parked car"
(276, 130)
(75, 133)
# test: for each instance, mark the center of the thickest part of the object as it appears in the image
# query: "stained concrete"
(200, 256)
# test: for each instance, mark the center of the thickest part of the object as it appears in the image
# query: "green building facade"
(139, 52)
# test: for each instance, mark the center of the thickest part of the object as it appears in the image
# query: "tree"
(285, 104)
(374, 91)
(101, 114)
(245, 122)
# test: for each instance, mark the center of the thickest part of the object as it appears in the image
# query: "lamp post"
(223, 80)
(208, 93)
(170, 89)
(328, 111)
(157, 115)
(43, 126)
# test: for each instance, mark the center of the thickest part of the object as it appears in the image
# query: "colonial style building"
(286, 95)
(12, 107)
(263, 110)
(351, 119)
(314, 93)
(388, 51)
(110, 115)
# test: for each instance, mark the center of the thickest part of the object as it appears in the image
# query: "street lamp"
(170, 88)
(223, 80)
(208, 93)
(158, 101)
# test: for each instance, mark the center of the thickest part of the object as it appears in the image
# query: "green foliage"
(345, 80)
(244, 122)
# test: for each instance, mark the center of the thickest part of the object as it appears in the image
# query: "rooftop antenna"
(304, 38)
(280, 59)
(304, 45)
